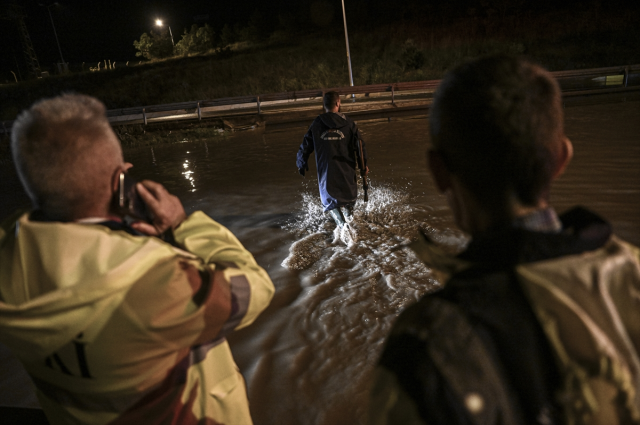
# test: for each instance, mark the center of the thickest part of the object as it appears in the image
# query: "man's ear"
(564, 157)
(439, 170)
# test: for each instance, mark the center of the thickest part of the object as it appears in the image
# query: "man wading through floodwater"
(335, 138)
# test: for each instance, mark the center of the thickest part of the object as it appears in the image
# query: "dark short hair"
(330, 99)
(497, 122)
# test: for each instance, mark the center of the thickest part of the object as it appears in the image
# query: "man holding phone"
(113, 324)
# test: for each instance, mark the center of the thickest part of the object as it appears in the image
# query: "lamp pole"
(346, 37)
(64, 64)
(159, 23)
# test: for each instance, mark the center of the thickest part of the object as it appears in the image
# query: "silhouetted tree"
(256, 28)
(156, 45)
(227, 36)
(196, 40)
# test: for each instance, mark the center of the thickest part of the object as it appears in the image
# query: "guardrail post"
(626, 75)
(199, 112)
(258, 101)
(144, 116)
(393, 95)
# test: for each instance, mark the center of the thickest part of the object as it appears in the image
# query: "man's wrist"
(182, 223)
(179, 221)
(168, 237)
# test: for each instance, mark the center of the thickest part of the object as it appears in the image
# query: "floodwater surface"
(308, 359)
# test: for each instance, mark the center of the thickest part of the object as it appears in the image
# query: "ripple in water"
(354, 286)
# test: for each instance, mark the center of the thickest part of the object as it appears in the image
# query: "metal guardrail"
(573, 82)
(260, 101)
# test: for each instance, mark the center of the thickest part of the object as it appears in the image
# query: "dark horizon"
(96, 31)
(92, 32)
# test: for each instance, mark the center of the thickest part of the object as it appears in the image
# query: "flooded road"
(308, 358)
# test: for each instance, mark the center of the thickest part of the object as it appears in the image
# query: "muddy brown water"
(308, 358)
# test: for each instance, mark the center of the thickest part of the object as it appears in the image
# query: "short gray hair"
(65, 152)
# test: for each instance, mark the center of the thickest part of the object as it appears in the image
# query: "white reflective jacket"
(116, 328)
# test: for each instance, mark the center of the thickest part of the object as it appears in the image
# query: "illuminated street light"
(64, 64)
(159, 23)
(346, 37)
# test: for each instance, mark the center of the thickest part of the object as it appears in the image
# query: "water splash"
(355, 282)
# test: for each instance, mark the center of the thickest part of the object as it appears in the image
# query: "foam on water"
(355, 282)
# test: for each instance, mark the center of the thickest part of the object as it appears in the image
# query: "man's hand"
(302, 170)
(166, 209)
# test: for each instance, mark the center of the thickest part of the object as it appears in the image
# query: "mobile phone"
(127, 200)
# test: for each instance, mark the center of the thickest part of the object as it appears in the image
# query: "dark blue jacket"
(334, 139)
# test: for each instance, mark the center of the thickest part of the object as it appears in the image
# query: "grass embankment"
(574, 39)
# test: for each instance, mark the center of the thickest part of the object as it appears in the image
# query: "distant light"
(159, 22)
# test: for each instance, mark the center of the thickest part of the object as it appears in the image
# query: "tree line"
(157, 44)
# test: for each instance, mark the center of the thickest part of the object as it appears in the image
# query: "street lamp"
(159, 23)
(64, 64)
(346, 37)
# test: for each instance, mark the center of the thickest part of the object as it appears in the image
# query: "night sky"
(90, 31)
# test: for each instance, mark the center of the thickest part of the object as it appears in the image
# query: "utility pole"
(64, 64)
(346, 37)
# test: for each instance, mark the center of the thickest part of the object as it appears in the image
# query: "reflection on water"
(188, 174)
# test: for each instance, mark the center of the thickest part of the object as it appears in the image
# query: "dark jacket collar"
(582, 231)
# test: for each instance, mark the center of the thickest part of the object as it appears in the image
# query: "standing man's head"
(498, 139)
(67, 156)
(331, 101)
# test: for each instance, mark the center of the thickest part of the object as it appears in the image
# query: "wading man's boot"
(337, 216)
